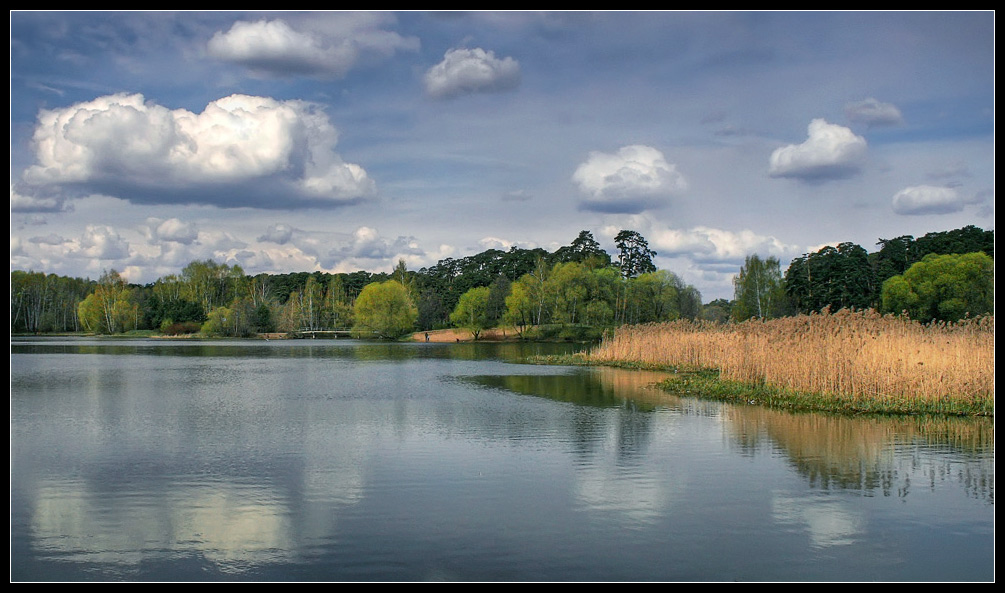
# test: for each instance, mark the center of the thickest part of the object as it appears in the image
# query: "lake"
(343, 460)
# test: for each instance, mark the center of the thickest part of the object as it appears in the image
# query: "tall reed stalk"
(856, 355)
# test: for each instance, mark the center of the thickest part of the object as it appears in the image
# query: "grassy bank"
(846, 361)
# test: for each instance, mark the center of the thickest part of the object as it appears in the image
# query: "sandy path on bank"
(496, 334)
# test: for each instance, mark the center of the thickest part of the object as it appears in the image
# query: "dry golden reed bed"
(855, 355)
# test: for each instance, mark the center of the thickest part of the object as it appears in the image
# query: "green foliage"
(719, 311)
(219, 322)
(471, 311)
(758, 290)
(211, 284)
(896, 255)
(431, 312)
(111, 308)
(836, 277)
(495, 307)
(177, 328)
(634, 255)
(566, 291)
(237, 320)
(45, 302)
(159, 307)
(384, 309)
(317, 306)
(584, 250)
(522, 304)
(943, 288)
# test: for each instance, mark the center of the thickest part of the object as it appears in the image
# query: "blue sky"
(341, 141)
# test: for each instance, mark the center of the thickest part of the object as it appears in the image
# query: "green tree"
(495, 308)
(719, 310)
(111, 308)
(585, 250)
(522, 309)
(634, 255)
(838, 277)
(758, 290)
(942, 287)
(471, 311)
(385, 310)
(566, 291)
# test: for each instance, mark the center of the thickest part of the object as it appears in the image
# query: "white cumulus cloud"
(874, 113)
(465, 71)
(275, 48)
(102, 242)
(929, 199)
(710, 245)
(830, 152)
(176, 231)
(630, 180)
(240, 151)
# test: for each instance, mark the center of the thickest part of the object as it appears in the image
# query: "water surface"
(343, 460)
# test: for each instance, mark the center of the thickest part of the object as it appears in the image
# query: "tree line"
(578, 285)
(942, 276)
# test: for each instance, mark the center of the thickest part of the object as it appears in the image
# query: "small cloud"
(275, 48)
(519, 195)
(176, 231)
(496, 243)
(830, 152)
(874, 113)
(368, 244)
(21, 201)
(955, 169)
(466, 71)
(278, 233)
(50, 239)
(633, 179)
(931, 199)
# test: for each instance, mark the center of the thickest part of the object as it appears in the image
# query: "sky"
(344, 141)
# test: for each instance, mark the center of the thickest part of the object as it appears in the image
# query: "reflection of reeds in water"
(856, 355)
(874, 454)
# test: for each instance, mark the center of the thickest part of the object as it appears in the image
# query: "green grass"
(708, 385)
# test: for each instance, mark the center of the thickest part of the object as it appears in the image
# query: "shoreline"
(707, 384)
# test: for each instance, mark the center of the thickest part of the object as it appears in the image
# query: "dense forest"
(940, 276)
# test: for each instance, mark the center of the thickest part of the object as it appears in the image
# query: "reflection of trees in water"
(885, 455)
(591, 389)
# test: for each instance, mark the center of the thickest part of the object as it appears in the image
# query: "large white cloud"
(240, 151)
(276, 48)
(830, 152)
(874, 113)
(173, 230)
(465, 71)
(707, 245)
(101, 242)
(930, 199)
(630, 180)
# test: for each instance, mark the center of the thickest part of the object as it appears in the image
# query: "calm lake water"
(343, 460)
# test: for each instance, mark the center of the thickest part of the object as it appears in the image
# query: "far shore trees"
(111, 308)
(758, 290)
(471, 312)
(384, 310)
(576, 285)
(943, 288)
